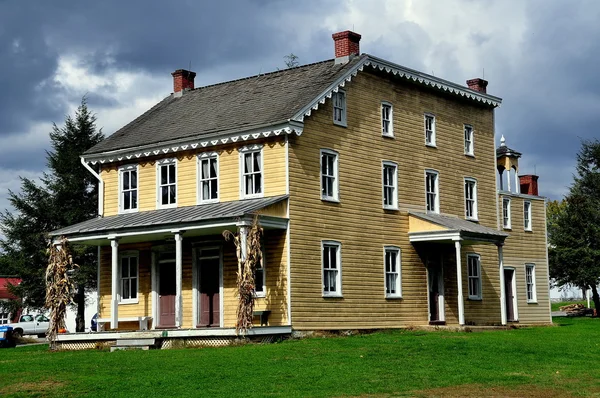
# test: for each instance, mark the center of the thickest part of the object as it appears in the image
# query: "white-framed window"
(129, 271)
(393, 274)
(329, 175)
(339, 107)
(208, 177)
(4, 318)
(506, 213)
(387, 119)
(390, 185)
(530, 283)
(432, 195)
(469, 148)
(429, 129)
(260, 276)
(471, 199)
(128, 188)
(527, 215)
(166, 173)
(251, 166)
(332, 268)
(474, 273)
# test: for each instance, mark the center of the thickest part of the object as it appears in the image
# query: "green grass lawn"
(543, 361)
(556, 306)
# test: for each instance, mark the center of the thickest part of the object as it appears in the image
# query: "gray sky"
(541, 56)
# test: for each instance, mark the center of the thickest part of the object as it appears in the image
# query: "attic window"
(339, 108)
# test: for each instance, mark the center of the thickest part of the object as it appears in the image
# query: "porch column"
(502, 287)
(461, 303)
(178, 278)
(243, 232)
(114, 308)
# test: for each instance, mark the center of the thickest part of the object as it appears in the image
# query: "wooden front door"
(166, 294)
(509, 274)
(209, 263)
(436, 291)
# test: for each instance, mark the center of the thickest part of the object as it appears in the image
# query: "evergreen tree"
(67, 195)
(574, 226)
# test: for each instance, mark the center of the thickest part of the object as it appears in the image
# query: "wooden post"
(114, 308)
(178, 278)
(502, 287)
(461, 303)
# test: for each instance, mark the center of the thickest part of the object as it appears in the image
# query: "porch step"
(134, 344)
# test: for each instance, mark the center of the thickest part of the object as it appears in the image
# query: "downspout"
(100, 186)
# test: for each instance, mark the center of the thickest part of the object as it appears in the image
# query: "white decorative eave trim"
(287, 128)
(400, 71)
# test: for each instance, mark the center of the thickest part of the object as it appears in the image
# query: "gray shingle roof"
(460, 225)
(252, 102)
(163, 217)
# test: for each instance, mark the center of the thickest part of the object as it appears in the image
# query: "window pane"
(125, 289)
(133, 177)
(133, 292)
(134, 199)
(257, 161)
(127, 200)
(172, 194)
(164, 194)
(125, 177)
(258, 183)
(163, 175)
(204, 169)
(247, 163)
(248, 184)
(133, 267)
(213, 168)
(258, 280)
(124, 267)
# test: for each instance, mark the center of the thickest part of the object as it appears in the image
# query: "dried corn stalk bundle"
(245, 272)
(59, 287)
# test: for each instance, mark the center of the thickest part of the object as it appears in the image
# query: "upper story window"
(429, 129)
(329, 175)
(530, 283)
(506, 213)
(129, 277)
(387, 124)
(471, 199)
(208, 173)
(527, 215)
(432, 191)
(128, 188)
(167, 183)
(474, 272)
(339, 108)
(393, 287)
(252, 169)
(469, 148)
(332, 268)
(390, 185)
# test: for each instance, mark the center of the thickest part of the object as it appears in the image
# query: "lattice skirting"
(211, 341)
(83, 345)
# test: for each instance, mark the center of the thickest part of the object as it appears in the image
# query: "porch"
(451, 249)
(170, 270)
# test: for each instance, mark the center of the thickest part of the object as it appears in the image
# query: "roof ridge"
(264, 74)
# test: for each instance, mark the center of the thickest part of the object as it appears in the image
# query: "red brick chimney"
(346, 44)
(529, 184)
(478, 85)
(183, 79)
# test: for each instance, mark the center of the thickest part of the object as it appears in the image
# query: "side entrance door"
(509, 275)
(435, 281)
(209, 266)
(166, 293)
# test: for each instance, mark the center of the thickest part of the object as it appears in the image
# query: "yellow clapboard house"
(383, 198)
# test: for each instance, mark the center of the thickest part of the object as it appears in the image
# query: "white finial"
(502, 141)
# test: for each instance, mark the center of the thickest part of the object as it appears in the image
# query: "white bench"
(143, 321)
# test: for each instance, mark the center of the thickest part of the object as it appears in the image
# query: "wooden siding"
(360, 223)
(274, 176)
(275, 299)
(528, 247)
(417, 225)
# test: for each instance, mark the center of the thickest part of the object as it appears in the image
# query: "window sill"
(532, 302)
(471, 155)
(475, 299)
(332, 296)
(128, 211)
(393, 297)
(472, 219)
(341, 124)
(431, 145)
(129, 301)
(528, 230)
(204, 202)
(388, 136)
(507, 228)
(171, 206)
(393, 208)
(260, 295)
(254, 196)
(332, 200)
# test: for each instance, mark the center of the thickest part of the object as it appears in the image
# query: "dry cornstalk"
(245, 273)
(59, 287)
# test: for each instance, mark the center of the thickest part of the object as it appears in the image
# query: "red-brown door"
(166, 295)
(210, 311)
(509, 294)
